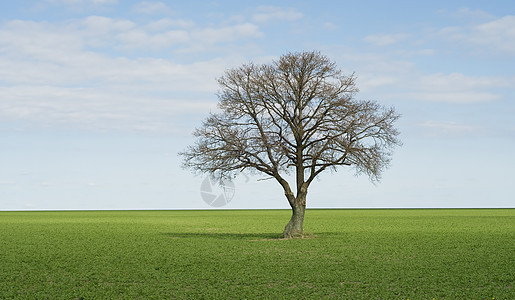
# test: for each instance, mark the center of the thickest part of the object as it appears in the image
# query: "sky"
(97, 97)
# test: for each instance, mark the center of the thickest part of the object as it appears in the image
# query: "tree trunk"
(294, 227)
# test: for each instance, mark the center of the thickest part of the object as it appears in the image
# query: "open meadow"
(351, 254)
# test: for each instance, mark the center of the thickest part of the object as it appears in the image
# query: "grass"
(355, 254)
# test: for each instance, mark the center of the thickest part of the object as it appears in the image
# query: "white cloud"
(385, 39)
(455, 97)
(371, 81)
(99, 32)
(266, 14)
(473, 13)
(458, 81)
(363, 63)
(227, 33)
(98, 108)
(188, 38)
(99, 24)
(54, 42)
(425, 52)
(104, 1)
(141, 39)
(50, 75)
(26, 39)
(330, 26)
(497, 36)
(46, 56)
(74, 2)
(149, 7)
(378, 75)
(167, 23)
(42, 53)
(458, 88)
(400, 78)
(450, 129)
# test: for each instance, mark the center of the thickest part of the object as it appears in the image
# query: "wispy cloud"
(62, 73)
(469, 13)
(81, 2)
(450, 129)
(227, 33)
(152, 8)
(78, 51)
(169, 23)
(459, 88)
(141, 39)
(385, 39)
(497, 36)
(401, 79)
(463, 97)
(330, 26)
(266, 14)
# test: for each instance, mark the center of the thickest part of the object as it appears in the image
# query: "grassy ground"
(356, 254)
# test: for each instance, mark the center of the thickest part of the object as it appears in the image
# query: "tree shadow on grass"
(267, 236)
(332, 234)
(226, 235)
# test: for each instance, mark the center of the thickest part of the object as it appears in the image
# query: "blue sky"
(97, 97)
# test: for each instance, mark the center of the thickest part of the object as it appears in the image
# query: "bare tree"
(296, 115)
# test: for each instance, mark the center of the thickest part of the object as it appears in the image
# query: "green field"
(352, 254)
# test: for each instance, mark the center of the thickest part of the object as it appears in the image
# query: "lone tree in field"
(296, 116)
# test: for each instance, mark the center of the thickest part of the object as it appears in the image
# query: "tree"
(294, 116)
